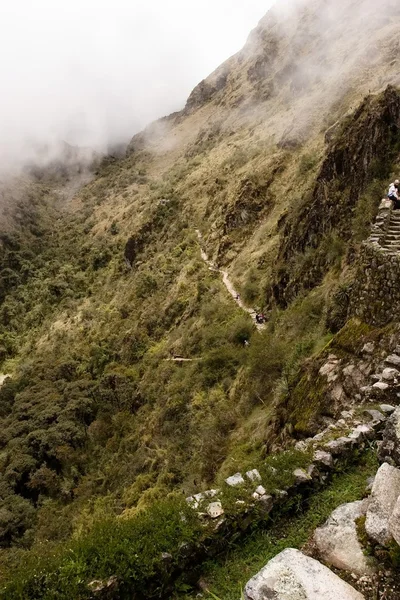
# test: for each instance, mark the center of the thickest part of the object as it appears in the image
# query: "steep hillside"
(279, 159)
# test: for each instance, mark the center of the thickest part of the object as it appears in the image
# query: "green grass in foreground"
(225, 577)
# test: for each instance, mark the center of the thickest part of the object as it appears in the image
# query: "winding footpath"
(228, 284)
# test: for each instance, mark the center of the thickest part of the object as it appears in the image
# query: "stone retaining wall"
(375, 295)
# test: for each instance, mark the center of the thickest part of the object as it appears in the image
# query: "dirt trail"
(228, 284)
(3, 377)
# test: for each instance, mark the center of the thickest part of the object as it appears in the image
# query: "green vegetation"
(131, 550)
(98, 423)
(144, 552)
(226, 575)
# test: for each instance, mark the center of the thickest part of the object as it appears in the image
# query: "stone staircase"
(391, 240)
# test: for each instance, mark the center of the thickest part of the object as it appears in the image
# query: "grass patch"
(226, 575)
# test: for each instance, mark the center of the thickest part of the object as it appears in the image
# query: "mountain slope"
(280, 160)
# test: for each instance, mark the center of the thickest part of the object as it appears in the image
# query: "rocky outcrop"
(365, 139)
(292, 575)
(384, 496)
(389, 449)
(337, 540)
(206, 90)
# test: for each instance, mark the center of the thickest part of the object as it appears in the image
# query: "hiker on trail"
(237, 297)
(393, 193)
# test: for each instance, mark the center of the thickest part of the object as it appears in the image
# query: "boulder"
(390, 374)
(293, 576)
(375, 415)
(267, 503)
(260, 491)
(394, 523)
(389, 449)
(362, 431)
(215, 510)
(368, 348)
(381, 385)
(301, 446)
(235, 480)
(253, 475)
(323, 458)
(337, 540)
(385, 492)
(301, 476)
(339, 446)
(387, 409)
(393, 360)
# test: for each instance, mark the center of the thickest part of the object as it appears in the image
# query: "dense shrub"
(141, 552)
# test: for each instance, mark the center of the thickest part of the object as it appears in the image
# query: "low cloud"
(93, 72)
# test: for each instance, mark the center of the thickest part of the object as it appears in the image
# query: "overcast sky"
(90, 71)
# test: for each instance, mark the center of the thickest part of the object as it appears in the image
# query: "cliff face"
(363, 149)
(279, 159)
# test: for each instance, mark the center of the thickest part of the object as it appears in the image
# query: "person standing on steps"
(393, 194)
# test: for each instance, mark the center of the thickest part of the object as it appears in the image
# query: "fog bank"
(94, 72)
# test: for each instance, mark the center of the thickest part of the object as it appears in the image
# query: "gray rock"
(267, 502)
(323, 458)
(381, 385)
(393, 360)
(390, 446)
(337, 540)
(368, 348)
(215, 510)
(387, 409)
(394, 522)
(319, 436)
(235, 480)
(301, 446)
(253, 475)
(390, 374)
(366, 431)
(260, 491)
(366, 389)
(375, 415)
(301, 476)
(197, 499)
(293, 576)
(313, 472)
(339, 446)
(385, 492)
(347, 414)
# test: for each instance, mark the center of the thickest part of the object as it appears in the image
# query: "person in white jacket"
(393, 193)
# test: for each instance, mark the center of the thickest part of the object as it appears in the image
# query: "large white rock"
(235, 480)
(394, 522)
(337, 540)
(215, 510)
(293, 576)
(385, 492)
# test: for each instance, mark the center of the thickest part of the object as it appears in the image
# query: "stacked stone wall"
(376, 291)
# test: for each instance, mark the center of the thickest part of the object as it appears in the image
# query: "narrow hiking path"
(228, 284)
